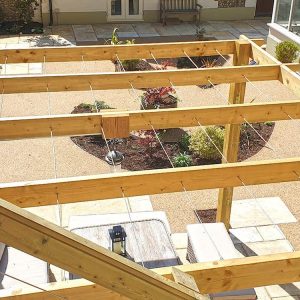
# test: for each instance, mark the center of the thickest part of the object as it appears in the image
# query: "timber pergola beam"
(108, 186)
(145, 79)
(211, 277)
(79, 256)
(90, 124)
(108, 52)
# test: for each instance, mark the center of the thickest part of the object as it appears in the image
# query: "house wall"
(95, 11)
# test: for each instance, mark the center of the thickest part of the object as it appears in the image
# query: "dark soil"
(137, 156)
(140, 156)
(17, 27)
(142, 65)
(250, 142)
(206, 215)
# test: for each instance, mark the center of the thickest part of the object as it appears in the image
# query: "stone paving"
(94, 34)
(258, 239)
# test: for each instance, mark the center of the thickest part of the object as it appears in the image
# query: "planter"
(162, 106)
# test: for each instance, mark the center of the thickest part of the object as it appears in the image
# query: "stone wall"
(231, 3)
(8, 10)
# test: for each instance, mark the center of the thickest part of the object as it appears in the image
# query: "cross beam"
(90, 124)
(108, 186)
(145, 79)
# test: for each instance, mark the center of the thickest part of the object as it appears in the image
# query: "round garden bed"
(142, 151)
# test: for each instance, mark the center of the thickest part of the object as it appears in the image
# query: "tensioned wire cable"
(126, 199)
(167, 155)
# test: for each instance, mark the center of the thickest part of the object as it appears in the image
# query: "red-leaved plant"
(156, 97)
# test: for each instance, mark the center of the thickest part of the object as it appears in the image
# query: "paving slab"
(207, 27)
(84, 33)
(259, 212)
(220, 25)
(222, 35)
(284, 290)
(276, 210)
(104, 30)
(270, 232)
(185, 29)
(83, 28)
(180, 240)
(112, 206)
(49, 213)
(247, 213)
(145, 30)
(266, 248)
(182, 255)
(242, 27)
(140, 204)
(245, 235)
(167, 30)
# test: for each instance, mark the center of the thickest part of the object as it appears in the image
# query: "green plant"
(270, 124)
(86, 106)
(14, 29)
(202, 146)
(182, 160)
(287, 52)
(128, 65)
(26, 9)
(101, 105)
(184, 142)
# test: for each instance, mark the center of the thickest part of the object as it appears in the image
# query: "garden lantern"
(114, 158)
(118, 240)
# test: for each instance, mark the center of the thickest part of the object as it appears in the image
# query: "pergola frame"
(110, 276)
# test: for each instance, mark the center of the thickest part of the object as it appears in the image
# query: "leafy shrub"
(287, 51)
(184, 142)
(101, 105)
(26, 9)
(182, 160)
(269, 123)
(202, 146)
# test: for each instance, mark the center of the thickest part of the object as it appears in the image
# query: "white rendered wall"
(101, 5)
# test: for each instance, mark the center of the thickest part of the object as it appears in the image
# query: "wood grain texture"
(108, 52)
(80, 256)
(90, 124)
(108, 186)
(211, 277)
(232, 132)
(141, 79)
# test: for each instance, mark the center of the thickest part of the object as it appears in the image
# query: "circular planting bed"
(142, 151)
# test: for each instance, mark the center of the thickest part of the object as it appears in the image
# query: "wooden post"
(232, 132)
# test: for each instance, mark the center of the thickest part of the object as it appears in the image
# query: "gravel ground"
(33, 159)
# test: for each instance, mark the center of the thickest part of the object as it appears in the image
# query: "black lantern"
(118, 240)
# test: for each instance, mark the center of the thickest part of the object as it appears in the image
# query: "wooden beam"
(242, 273)
(261, 56)
(42, 239)
(145, 79)
(232, 132)
(115, 127)
(211, 277)
(108, 52)
(107, 186)
(90, 124)
(294, 66)
(291, 79)
(79, 289)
